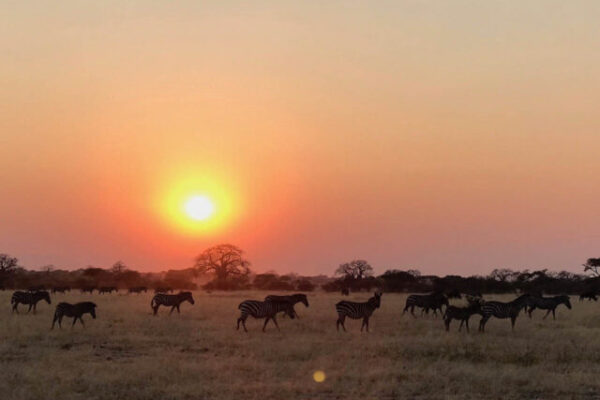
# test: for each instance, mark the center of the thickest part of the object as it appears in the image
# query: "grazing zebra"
(29, 298)
(107, 289)
(138, 289)
(294, 299)
(264, 309)
(503, 310)
(548, 303)
(161, 289)
(73, 310)
(61, 289)
(88, 289)
(590, 295)
(462, 313)
(354, 310)
(432, 301)
(345, 291)
(170, 300)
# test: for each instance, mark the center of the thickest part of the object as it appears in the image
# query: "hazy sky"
(452, 137)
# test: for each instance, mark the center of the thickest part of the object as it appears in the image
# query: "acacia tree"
(225, 262)
(8, 265)
(355, 270)
(592, 265)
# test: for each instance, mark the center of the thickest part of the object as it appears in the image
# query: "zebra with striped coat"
(29, 298)
(294, 299)
(463, 314)
(503, 310)
(548, 303)
(170, 300)
(75, 311)
(426, 302)
(264, 309)
(355, 310)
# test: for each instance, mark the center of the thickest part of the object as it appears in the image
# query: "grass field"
(128, 354)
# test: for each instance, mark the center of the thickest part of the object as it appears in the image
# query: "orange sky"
(452, 137)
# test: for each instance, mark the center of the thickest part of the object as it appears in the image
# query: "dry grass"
(128, 354)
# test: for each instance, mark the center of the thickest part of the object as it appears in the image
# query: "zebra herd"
(487, 309)
(273, 305)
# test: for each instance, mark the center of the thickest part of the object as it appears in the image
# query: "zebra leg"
(266, 321)
(530, 311)
(60, 321)
(512, 322)
(54, 321)
(447, 323)
(547, 314)
(482, 324)
(15, 308)
(275, 322)
(155, 308)
(366, 323)
(554, 314)
(340, 321)
(34, 306)
(462, 321)
(178, 312)
(74, 320)
(29, 309)
(467, 324)
(412, 311)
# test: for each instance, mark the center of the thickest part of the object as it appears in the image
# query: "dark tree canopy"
(355, 269)
(8, 265)
(224, 261)
(118, 267)
(592, 265)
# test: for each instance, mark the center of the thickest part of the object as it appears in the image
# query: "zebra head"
(187, 296)
(45, 296)
(375, 301)
(93, 310)
(303, 299)
(566, 301)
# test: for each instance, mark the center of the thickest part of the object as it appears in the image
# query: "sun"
(199, 208)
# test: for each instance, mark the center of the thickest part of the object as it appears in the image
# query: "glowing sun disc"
(199, 208)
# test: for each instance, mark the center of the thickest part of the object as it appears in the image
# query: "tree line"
(225, 267)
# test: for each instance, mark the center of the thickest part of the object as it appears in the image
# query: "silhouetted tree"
(8, 265)
(118, 268)
(504, 275)
(355, 269)
(224, 261)
(593, 266)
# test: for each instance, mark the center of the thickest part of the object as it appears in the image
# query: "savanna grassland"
(126, 353)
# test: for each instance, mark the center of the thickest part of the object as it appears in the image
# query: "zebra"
(138, 289)
(345, 291)
(357, 310)
(264, 309)
(61, 289)
(170, 300)
(294, 299)
(462, 313)
(88, 289)
(590, 295)
(73, 310)
(165, 289)
(29, 298)
(425, 302)
(548, 303)
(503, 310)
(107, 289)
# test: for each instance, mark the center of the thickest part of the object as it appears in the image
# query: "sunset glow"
(199, 208)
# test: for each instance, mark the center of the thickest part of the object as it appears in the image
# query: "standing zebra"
(590, 295)
(294, 299)
(503, 310)
(138, 289)
(170, 300)
(462, 313)
(548, 303)
(264, 309)
(354, 310)
(73, 310)
(425, 302)
(29, 298)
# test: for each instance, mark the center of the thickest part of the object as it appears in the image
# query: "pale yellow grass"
(128, 354)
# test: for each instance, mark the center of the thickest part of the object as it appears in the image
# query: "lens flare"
(199, 208)
(319, 376)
